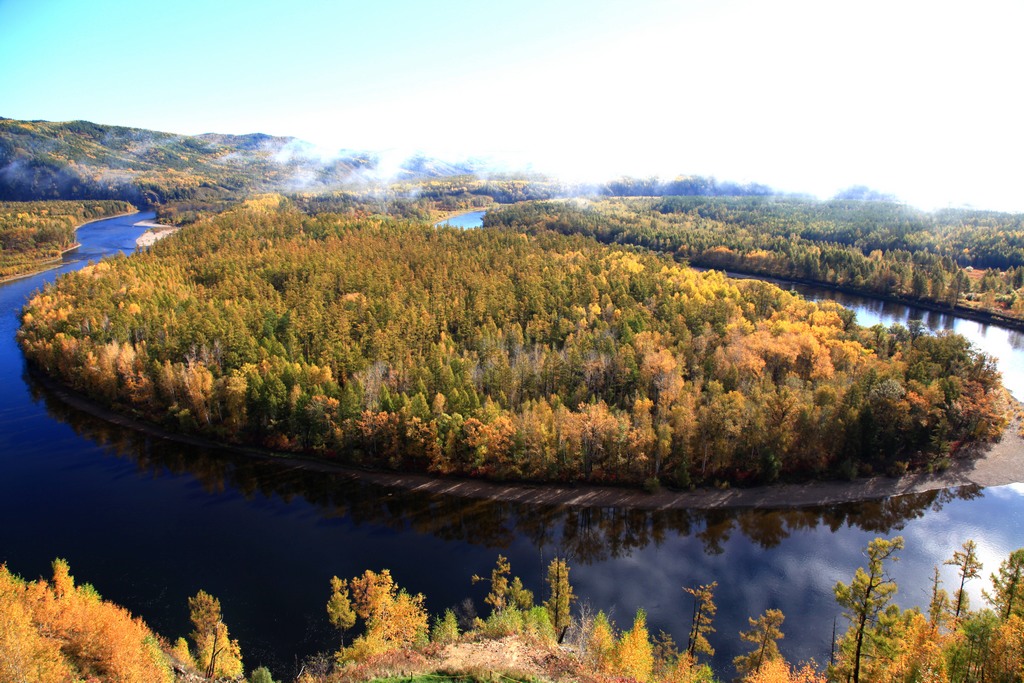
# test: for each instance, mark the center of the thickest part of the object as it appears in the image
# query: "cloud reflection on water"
(621, 559)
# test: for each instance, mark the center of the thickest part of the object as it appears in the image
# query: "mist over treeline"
(82, 160)
(684, 187)
(190, 175)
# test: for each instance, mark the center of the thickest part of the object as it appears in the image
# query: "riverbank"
(960, 311)
(44, 265)
(986, 465)
(998, 464)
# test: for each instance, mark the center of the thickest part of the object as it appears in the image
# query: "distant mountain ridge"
(76, 160)
(80, 159)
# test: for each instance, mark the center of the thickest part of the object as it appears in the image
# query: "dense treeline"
(430, 198)
(398, 201)
(499, 354)
(474, 191)
(56, 631)
(973, 259)
(417, 199)
(34, 233)
(684, 186)
(981, 239)
(588, 534)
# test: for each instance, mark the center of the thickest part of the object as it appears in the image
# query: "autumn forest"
(320, 317)
(510, 354)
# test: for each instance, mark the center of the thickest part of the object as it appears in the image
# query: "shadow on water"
(585, 534)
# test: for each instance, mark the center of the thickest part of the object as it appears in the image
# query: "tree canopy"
(496, 353)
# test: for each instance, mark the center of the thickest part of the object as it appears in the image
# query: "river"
(471, 219)
(149, 522)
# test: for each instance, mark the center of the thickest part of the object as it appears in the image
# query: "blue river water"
(472, 219)
(150, 521)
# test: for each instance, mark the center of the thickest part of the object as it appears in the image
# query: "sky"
(920, 99)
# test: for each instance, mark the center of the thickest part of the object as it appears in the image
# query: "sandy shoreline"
(998, 464)
(156, 232)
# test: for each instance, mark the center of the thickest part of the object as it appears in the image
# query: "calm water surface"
(1005, 345)
(473, 219)
(149, 522)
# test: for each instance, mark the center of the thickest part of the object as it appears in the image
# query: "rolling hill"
(83, 160)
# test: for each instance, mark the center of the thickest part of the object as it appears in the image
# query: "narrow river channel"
(149, 522)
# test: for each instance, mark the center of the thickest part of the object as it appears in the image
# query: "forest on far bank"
(955, 258)
(964, 259)
(504, 353)
(35, 234)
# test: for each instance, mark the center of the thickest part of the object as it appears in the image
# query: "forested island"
(33, 235)
(55, 631)
(504, 353)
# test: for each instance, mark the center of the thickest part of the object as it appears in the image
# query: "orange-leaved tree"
(57, 631)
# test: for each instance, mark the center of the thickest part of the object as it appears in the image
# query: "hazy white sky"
(919, 99)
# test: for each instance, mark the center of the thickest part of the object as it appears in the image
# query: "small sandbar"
(156, 232)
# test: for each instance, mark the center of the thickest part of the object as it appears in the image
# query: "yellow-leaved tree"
(339, 607)
(779, 671)
(634, 655)
(601, 645)
(393, 618)
(917, 653)
(764, 632)
(704, 610)
(216, 655)
(559, 604)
